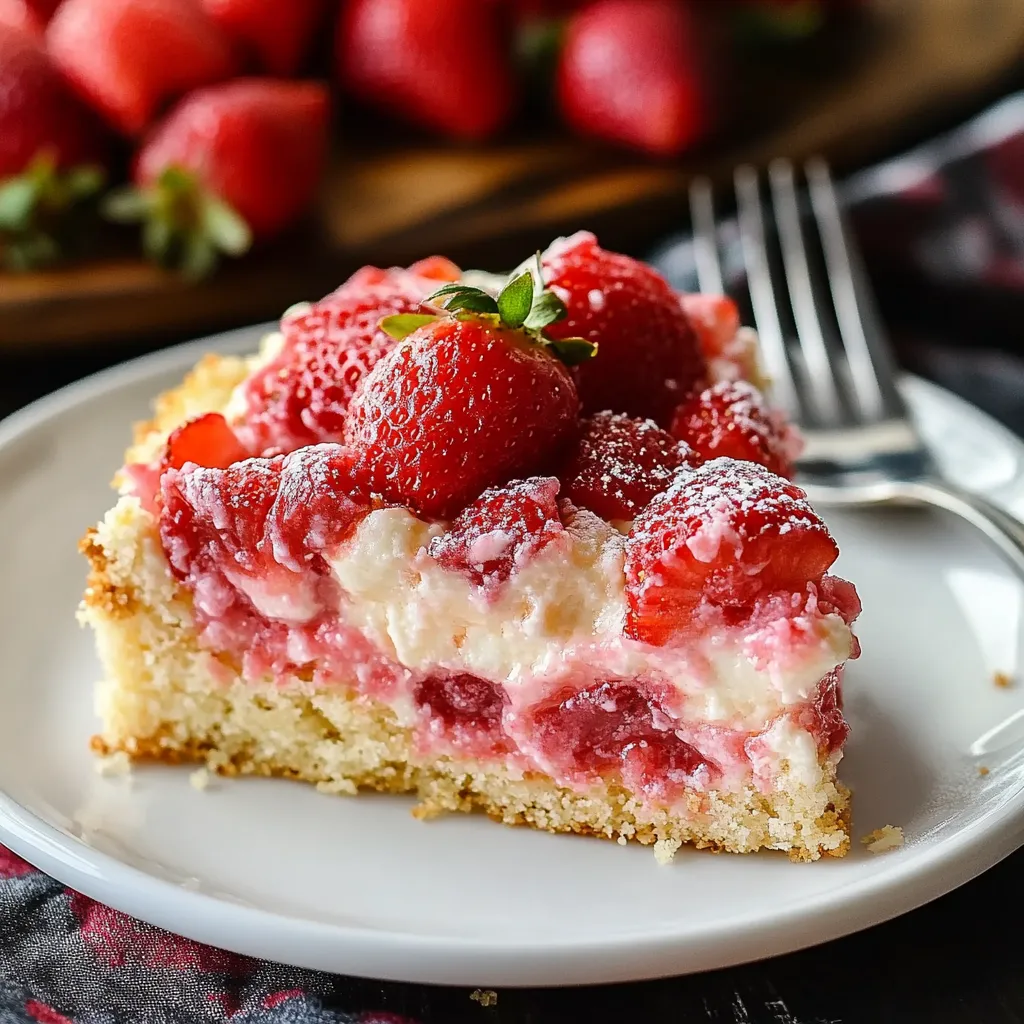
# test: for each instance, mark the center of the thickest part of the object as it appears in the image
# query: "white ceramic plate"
(276, 870)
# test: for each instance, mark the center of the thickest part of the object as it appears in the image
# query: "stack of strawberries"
(217, 106)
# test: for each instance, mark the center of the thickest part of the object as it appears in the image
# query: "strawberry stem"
(522, 304)
(39, 208)
(184, 226)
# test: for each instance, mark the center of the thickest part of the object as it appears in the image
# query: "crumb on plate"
(982, 770)
(665, 850)
(199, 779)
(1002, 679)
(116, 764)
(884, 839)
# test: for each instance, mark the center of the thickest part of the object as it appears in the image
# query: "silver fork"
(827, 356)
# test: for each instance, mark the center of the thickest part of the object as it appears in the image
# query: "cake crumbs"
(116, 764)
(199, 779)
(982, 770)
(1002, 679)
(665, 850)
(484, 996)
(884, 839)
(337, 787)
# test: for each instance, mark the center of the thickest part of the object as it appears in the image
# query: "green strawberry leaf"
(573, 351)
(224, 227)
(17, 201)
(457, 296)
(401, 325)
(516, 300)
(126, 205)
(547, 309)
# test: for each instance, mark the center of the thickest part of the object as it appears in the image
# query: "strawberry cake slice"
(528, 548)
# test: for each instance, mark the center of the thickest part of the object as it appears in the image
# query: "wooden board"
(914, 64)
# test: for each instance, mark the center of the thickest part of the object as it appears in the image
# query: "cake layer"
(166, 697)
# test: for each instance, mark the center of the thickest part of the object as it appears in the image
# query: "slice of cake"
(532, 551)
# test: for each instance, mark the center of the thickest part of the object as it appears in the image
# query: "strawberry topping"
(462, 404)
(255, 534)
(648, 356)
(207, 441)
(302, 395)
(732, 420)
(620, 464)
(492, 538)
(722, 537)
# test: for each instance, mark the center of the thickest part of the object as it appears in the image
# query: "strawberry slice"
(732, 420)
(649, 359)
(129, 57)
(302, 395)
(494, 537)
(620, 464)
(206, 441)
(720, 539)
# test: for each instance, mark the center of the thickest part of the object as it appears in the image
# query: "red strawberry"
(38, 113)
(229, 164)
(260, 522)
(43, 9)
(620, 464)
(505, 527)
(129, 57)
(732, 420)
(720, 537)
(466, 402)
(277, 34)
(51, 152)
(649, 358)
(630, 74)
(18, 14)
(441, 64)
(206, 441)
(302, 395)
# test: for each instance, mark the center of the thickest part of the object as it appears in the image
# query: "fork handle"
(1004, 531)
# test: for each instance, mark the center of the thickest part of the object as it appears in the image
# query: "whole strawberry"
(440, 64)
(302, 395)
(733, 420)
(650, 356)
(230, 164)
(467, 400)
(619, 464)
(276, 35)
(51, 151)
(630, 74)
(127, 58)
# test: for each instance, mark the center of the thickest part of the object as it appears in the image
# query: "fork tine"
(705, 237)
(872, 367)
(824, 392)
(762, 294)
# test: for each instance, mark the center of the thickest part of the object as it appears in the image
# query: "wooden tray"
(913, 66)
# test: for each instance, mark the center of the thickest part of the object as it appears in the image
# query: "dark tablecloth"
(943, 232)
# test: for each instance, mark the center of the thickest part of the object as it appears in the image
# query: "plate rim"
(391, 955)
